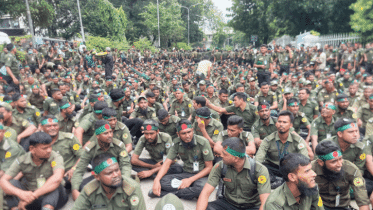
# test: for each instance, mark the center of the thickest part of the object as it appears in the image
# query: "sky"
(222, 5)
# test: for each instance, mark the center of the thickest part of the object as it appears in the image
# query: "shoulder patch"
(118, 143)
(129, 186)
(121, 125)
(91, 187)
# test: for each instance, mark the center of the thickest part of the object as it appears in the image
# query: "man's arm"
(263, 198)
(274, 106)
(51, 184)
(29, 130)
(9, 71)
(251, 149)
(314, 142)
(203, 199)
(79, 131)
(157, 185)
(9, 189)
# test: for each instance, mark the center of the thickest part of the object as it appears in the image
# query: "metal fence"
(333, 39)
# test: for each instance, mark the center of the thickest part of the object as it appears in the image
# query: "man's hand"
(69, 174)
(22, 205)
(15, 80)
(201, 124)
(157, 188)
(144, 174)
(176, 113)
(75, 194)
(27, 196)
(159, 164)
(185, 183)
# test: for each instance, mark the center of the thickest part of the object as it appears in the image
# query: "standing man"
(196, 153)
(11, 65)
(299, 190)
(336, 176)
(263, 63)
(109, 63)
(241, 190)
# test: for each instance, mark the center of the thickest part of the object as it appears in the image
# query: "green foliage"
(315, 33)
(219, 37)
(273, 18)
(228, 47)
(21, 55)
(183, 45)
(19, 38)
(361, 20)
(143, 44)
(170, 23)
(100, 43)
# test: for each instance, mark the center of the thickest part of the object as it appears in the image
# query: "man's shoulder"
(66, 135)
(277, 197)
(271, 136)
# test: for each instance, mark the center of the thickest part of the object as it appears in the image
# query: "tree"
(251, 17)
(361, 20)
(42, 13)
(170, 23)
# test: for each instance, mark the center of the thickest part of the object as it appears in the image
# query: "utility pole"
(30, 24)
(159, 33)
(188, 8)
(81, 23)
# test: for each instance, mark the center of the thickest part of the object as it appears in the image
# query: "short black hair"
(98, 159)
(236, 144)
(236, 120)
(183, 121)
(116, 94)
(155, 88)
(223, 91)
(100, 105)
(263, 84)
(291, 162)
(241, 95)
(307, 90)
(150, 94)
(109, 112)
(16, 97)
(200, 100)
(239, 85)
(287, 113)
(40, 138)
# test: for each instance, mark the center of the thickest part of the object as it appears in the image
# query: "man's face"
(151, 100)
(151, 136)
(106, 137)
(51, 128)
(325, 112)
(111, 176)
(165, 120)
(186, 135)
(202, 87)
(237, 101)
(343, 105)
(234, 131)
(350, 135)
(264, 114)
(303, 95)
(223, 97)
(367, 92)
(143, 104)
(240, 89)
(112, 121)
(7, 115)
(370, 103)
(57, 95)
(264, 89)
(288, 95)
(228, 159)
(283, 124)
(369, 80)
(21, 103)
(306, 175)
(263, 50)
(41, 151)
(335, 164)
(273, 87)
(353, 89)
(179, 95)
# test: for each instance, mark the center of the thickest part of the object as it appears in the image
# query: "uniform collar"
(271, 122)
(28, 159)
(289, 139)
(323, 121)
(100, 190)
(289, 196)
(159, 140)
(247, 163)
